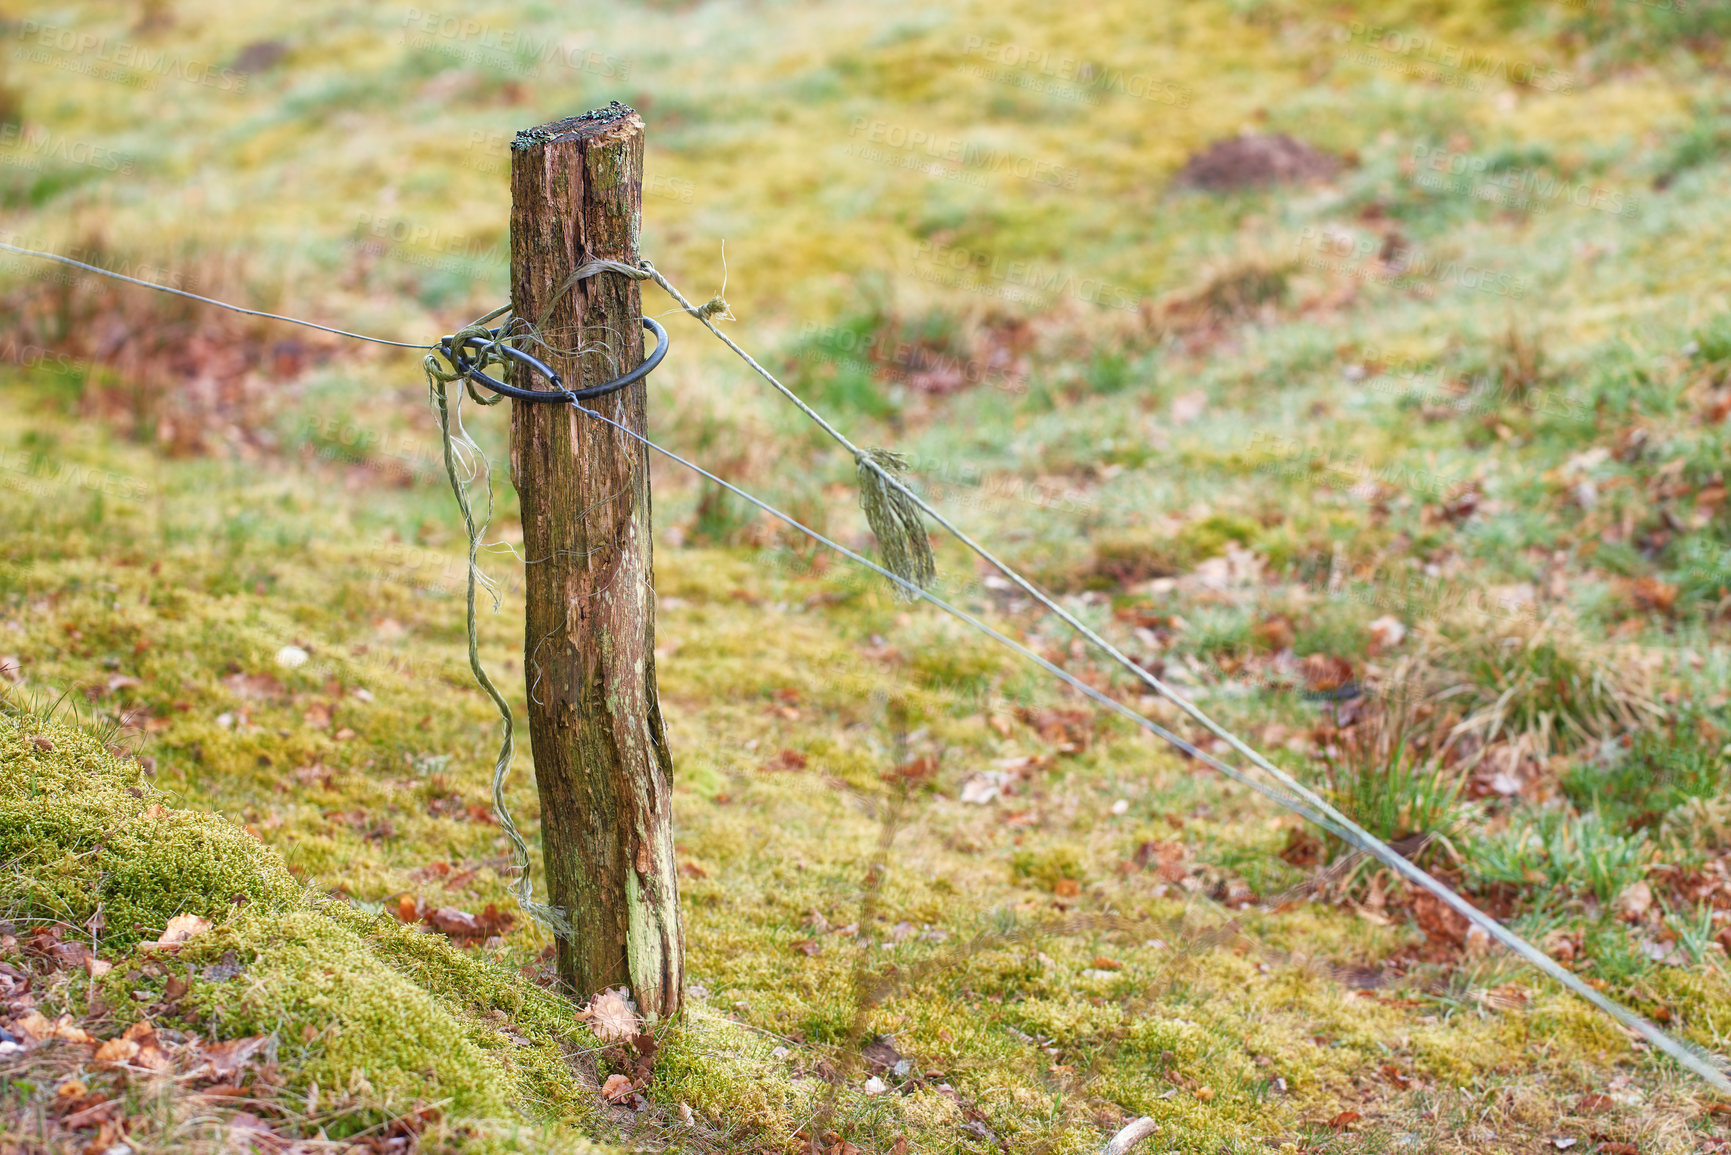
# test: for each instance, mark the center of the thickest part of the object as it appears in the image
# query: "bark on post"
(601, 759)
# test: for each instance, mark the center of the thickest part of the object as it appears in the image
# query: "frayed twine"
(465, 464)
(716, 306)
(895, 520)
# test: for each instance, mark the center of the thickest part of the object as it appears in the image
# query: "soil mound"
(1249, 161)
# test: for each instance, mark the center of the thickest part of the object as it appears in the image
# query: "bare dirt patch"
(1251, 161)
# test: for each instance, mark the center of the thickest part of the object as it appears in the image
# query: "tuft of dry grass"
(1544, 687)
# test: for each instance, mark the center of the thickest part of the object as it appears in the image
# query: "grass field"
(1411, 472)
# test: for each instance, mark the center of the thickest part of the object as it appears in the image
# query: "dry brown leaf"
(788, 760)
(1649, 593)
(1634, 901)
(1277, 633)
(616, 1088)
(456, 923)
(116, 1051)
(154, 1059)
(180, 928)
(62, 1028)
(611, 1016)
(1325, 672)
(1167, 858)
(251, 686)
(464, 927)
(225, 1059)
(35, 1026)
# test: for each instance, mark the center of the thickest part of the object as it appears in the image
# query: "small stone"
(289, 657)
(875, 1086)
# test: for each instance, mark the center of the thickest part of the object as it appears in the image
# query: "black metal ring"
(454, 351)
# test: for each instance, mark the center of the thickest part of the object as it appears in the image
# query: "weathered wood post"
(601, 759)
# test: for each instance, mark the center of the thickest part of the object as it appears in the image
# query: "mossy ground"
(1404, 393)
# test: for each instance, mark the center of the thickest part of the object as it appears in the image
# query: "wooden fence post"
(601, 759)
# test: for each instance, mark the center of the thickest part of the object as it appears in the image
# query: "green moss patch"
(369, 1020)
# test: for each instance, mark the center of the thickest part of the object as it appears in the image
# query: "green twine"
(463, 462)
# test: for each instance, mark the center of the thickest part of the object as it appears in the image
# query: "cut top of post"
(584, 125)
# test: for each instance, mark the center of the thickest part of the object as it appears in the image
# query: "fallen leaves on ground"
(90, 1067)
(35, 1027)
(1165, 858)
(254, 686)
(458, 925)
(1445, 929)
(880, 1054)
(1303, 849)
(1652, 595)
(222, 1061)
(1325, 673)
(181, 928)
(611, 1016)
(1070, 730)
(789, 761)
